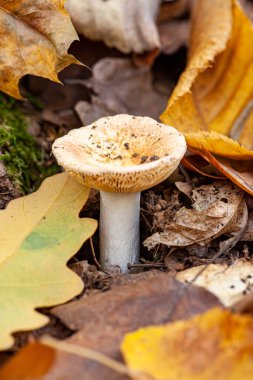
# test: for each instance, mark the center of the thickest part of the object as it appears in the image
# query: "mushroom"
(120, 156)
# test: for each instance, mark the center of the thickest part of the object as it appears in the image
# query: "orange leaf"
(218, 144)
(35, 36)
(215, 345)
(217, 84)
(241, 173)
(19, 367)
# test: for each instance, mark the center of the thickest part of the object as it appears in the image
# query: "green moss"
(20, 153)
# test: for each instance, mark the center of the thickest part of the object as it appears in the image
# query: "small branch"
(94, 255)
(147, 265)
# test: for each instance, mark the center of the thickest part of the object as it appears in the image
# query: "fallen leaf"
(217, 344)
(229, 283)
(127, 26)
(218, 144)
(239, 172)
(214, 89)
(174, 35)
(48, 232)
(102, 319)
(213, 213)
(199, 165)
(120, 87)
(20, 366)
(35, 37)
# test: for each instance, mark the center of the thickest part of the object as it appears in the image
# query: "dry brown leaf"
(173, 35)
(102, 320)
(213, 213)
(229, 283)
(126, 25)
(215, 345)
(35, 37)
(120, 87)
(216, 85)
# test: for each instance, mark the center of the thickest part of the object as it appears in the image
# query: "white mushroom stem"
(119, 229)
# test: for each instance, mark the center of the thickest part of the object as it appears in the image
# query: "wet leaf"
(213, 213)
(229, 283)
(214, 89)
(35, 37)
(217, 344)
(33, 271)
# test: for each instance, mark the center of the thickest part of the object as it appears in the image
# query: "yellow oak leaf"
(35, 36)
(215, 345)
(39, 234)
(218, 144)
(217, 84)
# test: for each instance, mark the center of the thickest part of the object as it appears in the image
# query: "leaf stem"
(93, 355)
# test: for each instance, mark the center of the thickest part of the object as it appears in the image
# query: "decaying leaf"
(215, 345)
(213, 213)
(214, 89)
(48, 232)
(127, 25)
(229, 283)
(35, 37)
(130, 91)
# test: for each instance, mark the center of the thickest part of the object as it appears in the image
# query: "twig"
(93, 355)
(186, 175)
(94, 254)
(146, 265)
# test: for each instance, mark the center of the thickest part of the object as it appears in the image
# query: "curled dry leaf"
(213, 213)
(35, 37)
(48, 232)
(238, 171)
(126, 25)
(215, 345)
(229, 283)
(120, 87)
(214, 89)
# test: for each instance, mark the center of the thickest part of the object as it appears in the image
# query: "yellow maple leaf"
(35, 36)
(215, 345)
(217, 83)
(39, 234)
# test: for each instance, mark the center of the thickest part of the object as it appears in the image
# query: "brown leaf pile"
(217, 209)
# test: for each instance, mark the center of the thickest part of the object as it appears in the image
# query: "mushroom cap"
(121, 153)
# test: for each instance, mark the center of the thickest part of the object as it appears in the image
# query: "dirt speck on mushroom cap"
(110, 157)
